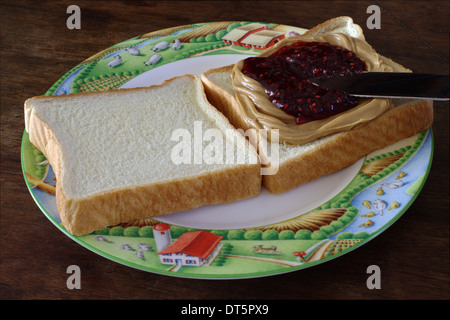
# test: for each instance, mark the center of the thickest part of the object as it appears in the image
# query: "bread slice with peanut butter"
(316, 155)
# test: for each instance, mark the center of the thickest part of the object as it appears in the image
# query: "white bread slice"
(112, 151)
(302, 163)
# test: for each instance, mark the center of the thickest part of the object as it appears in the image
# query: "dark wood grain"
(37, 49)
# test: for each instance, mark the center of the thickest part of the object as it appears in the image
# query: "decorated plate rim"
(421, 139)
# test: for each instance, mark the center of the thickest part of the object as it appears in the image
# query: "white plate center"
(267, 208)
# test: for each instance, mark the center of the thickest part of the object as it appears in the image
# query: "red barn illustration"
(194, 248)
(253, 35)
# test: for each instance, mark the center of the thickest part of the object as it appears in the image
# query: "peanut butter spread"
(258, 112)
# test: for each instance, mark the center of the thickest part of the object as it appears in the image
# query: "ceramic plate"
(262, 236)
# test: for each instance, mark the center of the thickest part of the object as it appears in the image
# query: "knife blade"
(390, 85)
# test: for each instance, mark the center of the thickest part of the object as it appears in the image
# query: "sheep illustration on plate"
(161, 46)
(176, 45)
(133, 51)
(153, 59)
(115, 62)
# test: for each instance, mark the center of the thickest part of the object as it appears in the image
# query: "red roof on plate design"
(196, 243)
(161, 227)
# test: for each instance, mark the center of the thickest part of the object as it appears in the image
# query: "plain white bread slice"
(112, 153)
(302, 163)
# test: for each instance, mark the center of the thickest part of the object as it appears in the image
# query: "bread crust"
(225, 102)
(337, 23)
(344, 149)
(85, 215)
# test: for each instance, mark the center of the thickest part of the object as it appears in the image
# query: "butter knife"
(390, 85)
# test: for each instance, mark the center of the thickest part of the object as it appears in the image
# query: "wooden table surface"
(37, 49)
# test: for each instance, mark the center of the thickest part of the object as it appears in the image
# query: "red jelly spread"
(284, 77)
